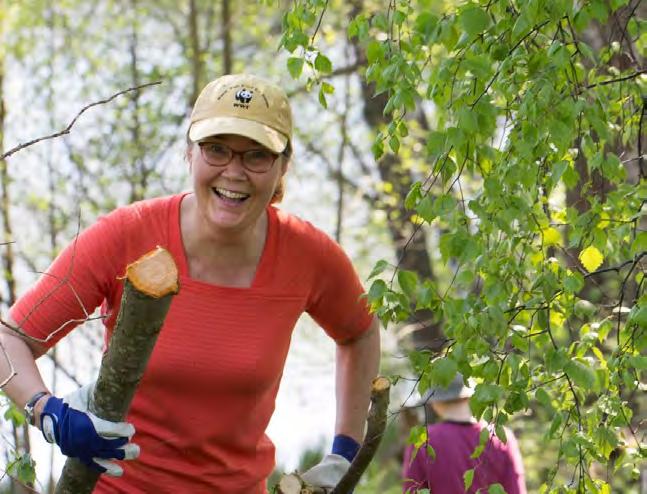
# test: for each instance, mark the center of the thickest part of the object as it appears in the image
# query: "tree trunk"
(226, 38)
(150, 284)
(197, 64)
(410, 244)
(139, 178)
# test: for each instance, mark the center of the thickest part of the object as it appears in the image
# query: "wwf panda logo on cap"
(244, 95)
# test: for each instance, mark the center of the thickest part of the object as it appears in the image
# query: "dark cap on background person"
(246, 105)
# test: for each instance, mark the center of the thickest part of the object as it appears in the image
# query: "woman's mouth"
(230, 195)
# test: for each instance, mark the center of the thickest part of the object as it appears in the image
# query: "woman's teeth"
(229, 194)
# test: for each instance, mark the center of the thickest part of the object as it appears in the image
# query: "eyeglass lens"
(256, 160)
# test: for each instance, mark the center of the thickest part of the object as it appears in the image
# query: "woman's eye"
(259, 155)
(216, 148)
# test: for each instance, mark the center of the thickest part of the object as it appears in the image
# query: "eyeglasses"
(253, 160)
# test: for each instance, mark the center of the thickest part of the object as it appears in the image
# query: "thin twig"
(643, 173)
(619, 79)
(323, 11)
(67, 129)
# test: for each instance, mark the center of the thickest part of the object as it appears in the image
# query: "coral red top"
(208, 392)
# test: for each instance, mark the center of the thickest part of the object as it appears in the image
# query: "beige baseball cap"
(245, 105)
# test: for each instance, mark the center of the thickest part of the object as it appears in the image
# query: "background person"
(247, 272)
(454, 438)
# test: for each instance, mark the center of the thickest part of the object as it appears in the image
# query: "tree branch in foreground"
(150, 284)
(376, 423)
(67, 129)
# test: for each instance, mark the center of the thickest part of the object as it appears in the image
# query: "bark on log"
(149, 286)
(376, 423)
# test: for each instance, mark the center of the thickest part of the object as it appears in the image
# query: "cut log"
(293, 484)
(289, 484)
(150, 283)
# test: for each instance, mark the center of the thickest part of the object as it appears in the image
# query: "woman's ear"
(285, 164)
(188, 155)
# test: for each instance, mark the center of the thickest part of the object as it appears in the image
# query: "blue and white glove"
(329, 471)
(82, 435)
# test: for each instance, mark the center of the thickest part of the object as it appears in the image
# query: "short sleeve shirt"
(209, 389)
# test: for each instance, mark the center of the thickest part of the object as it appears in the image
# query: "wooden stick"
(375, 426)
(376, 423)
(150, 283)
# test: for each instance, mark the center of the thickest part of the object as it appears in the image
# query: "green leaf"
(444, 370)
(327, 88)
(394, 144)
(581, 374)
(374, 52)
(381, 22)
(484, 439)
(467, 120)
(377, 149)
(323, 64)
(496, 489)
(413, 196)
(322, 98)
(399, 17)
(358, 27)
(431, 452)
(637, 362)
(542, 397)
(501, 433)
(425, 209)
(639, 244)
(468, 478)
(14, 415)
(295, 66)
(638, 315)
(377, 291)
(444, 204)
(408, 280)
(574, 282)
(474, 20)
(379, 268)
(436, 143)
(425, 24)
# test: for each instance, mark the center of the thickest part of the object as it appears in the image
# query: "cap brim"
(267, 136)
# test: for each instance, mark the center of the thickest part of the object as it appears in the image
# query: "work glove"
(82, 435)
(329, 471)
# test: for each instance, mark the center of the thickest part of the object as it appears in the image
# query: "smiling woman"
(247, 272)
(229, 198)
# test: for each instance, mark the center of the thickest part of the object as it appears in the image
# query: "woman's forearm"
(357, 364)
(17, 363)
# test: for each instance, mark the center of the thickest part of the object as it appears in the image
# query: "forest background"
(483, 161)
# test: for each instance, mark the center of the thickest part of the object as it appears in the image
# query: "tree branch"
(67, 129)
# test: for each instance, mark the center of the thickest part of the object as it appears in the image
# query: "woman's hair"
(280, 188)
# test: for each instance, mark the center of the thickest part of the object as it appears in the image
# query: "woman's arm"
(357, 364)
(20, 353)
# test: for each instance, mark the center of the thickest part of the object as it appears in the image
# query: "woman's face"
(231, 197)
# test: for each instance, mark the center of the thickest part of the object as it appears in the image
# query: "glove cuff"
(345, 446)
(49, 417)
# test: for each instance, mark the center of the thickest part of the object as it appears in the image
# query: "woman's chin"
(226, 220)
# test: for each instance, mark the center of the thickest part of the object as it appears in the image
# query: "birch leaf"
(591, 258)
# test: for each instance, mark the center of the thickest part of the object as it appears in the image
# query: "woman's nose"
(235, 166)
